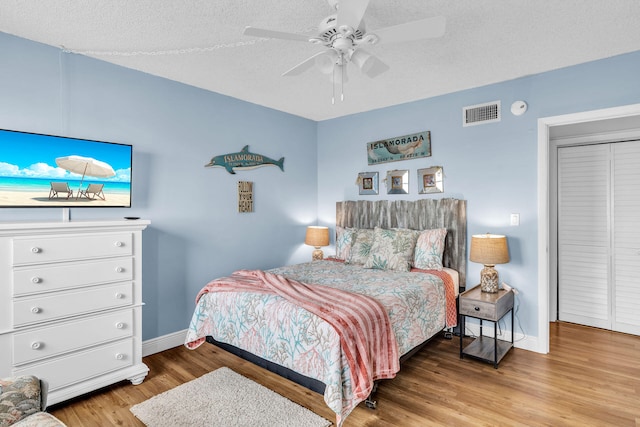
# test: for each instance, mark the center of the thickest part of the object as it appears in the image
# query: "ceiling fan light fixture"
(325, 63)
(363, 60)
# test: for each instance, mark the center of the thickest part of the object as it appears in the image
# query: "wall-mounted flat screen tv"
(52, 171)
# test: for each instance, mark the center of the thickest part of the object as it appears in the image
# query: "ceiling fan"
(343, 34)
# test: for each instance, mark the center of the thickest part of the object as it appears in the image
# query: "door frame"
(545, 202)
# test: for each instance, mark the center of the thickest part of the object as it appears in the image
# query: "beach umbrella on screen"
(85, 166)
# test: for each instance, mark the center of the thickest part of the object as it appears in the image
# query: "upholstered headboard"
(417, 215)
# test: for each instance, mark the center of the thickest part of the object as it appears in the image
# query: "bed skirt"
(307, 382)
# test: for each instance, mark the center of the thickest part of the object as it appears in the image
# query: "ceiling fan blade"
(261, 32)
(350, 12)
(415, 30)
(304, 65)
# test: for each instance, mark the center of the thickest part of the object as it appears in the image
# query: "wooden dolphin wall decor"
(244, 159)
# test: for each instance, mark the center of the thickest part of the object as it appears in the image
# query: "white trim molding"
(544, 124)
(165, 342)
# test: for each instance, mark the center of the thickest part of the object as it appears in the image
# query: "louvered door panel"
(583, 235)
(626, 237)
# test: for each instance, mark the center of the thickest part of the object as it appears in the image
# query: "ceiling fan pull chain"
(333, 86)
(342, 67)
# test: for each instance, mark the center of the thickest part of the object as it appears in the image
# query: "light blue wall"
(196, 233)
(493, 166)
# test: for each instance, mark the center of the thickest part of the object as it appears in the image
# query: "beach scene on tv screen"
(52, 171)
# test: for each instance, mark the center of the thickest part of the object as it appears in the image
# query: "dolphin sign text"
(244, 159)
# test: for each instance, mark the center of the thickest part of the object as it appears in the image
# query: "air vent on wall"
(481, 113)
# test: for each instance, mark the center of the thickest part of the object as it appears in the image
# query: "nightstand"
(486, 307)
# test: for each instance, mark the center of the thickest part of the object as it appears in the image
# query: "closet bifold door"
(584, 235)
(626, 237)
(599, 235)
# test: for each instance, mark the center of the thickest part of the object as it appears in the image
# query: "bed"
(291, 319)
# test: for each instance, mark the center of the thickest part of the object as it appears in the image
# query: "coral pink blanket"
(363, 325)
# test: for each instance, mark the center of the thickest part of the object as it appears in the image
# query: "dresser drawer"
(50, 341)
(83, 365)
(71, 275)
(30, 310)
(68, 248)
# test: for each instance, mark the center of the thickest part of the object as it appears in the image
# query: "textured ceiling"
(200, 43)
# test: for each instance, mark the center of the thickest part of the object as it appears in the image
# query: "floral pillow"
(344, 242)
(392, 249)
(19, 398)
(429, 249)
(361, 246)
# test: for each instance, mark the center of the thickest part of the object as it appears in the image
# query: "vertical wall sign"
(245, 196)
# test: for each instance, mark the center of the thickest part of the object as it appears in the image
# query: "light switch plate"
(515, 219)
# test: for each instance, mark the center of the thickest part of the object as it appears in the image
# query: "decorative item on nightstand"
(489, 249)
(317, 237)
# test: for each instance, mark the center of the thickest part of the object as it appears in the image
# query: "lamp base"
(489, 279)
(317, 255)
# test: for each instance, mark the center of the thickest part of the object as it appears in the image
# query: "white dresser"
(71, 303)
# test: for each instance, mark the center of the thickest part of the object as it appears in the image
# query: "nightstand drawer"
(479, 309)
(487, 306)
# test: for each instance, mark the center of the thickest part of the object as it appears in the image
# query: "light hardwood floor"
(590, 377)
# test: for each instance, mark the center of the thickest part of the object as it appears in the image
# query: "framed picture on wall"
(397, 182)
(430, 180)
(368, 183)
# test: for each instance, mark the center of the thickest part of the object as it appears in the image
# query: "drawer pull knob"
(476, 308)
(120, 325)
(36, 345)
(36, 280)
(36, 250)
(119, 295)
(119, 244)
(36, 310)
(119, 356)
(119, 269)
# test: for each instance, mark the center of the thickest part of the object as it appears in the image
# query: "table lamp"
(317, 237)
(489, 249)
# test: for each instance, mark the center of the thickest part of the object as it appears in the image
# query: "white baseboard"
(175, 339)
(165, 342)
(522, 341)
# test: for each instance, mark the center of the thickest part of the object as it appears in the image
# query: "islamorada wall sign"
(404, 147)
(243, 159)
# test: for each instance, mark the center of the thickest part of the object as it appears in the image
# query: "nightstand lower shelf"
(483, 348)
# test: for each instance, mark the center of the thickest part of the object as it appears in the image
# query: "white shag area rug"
(224, 398)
